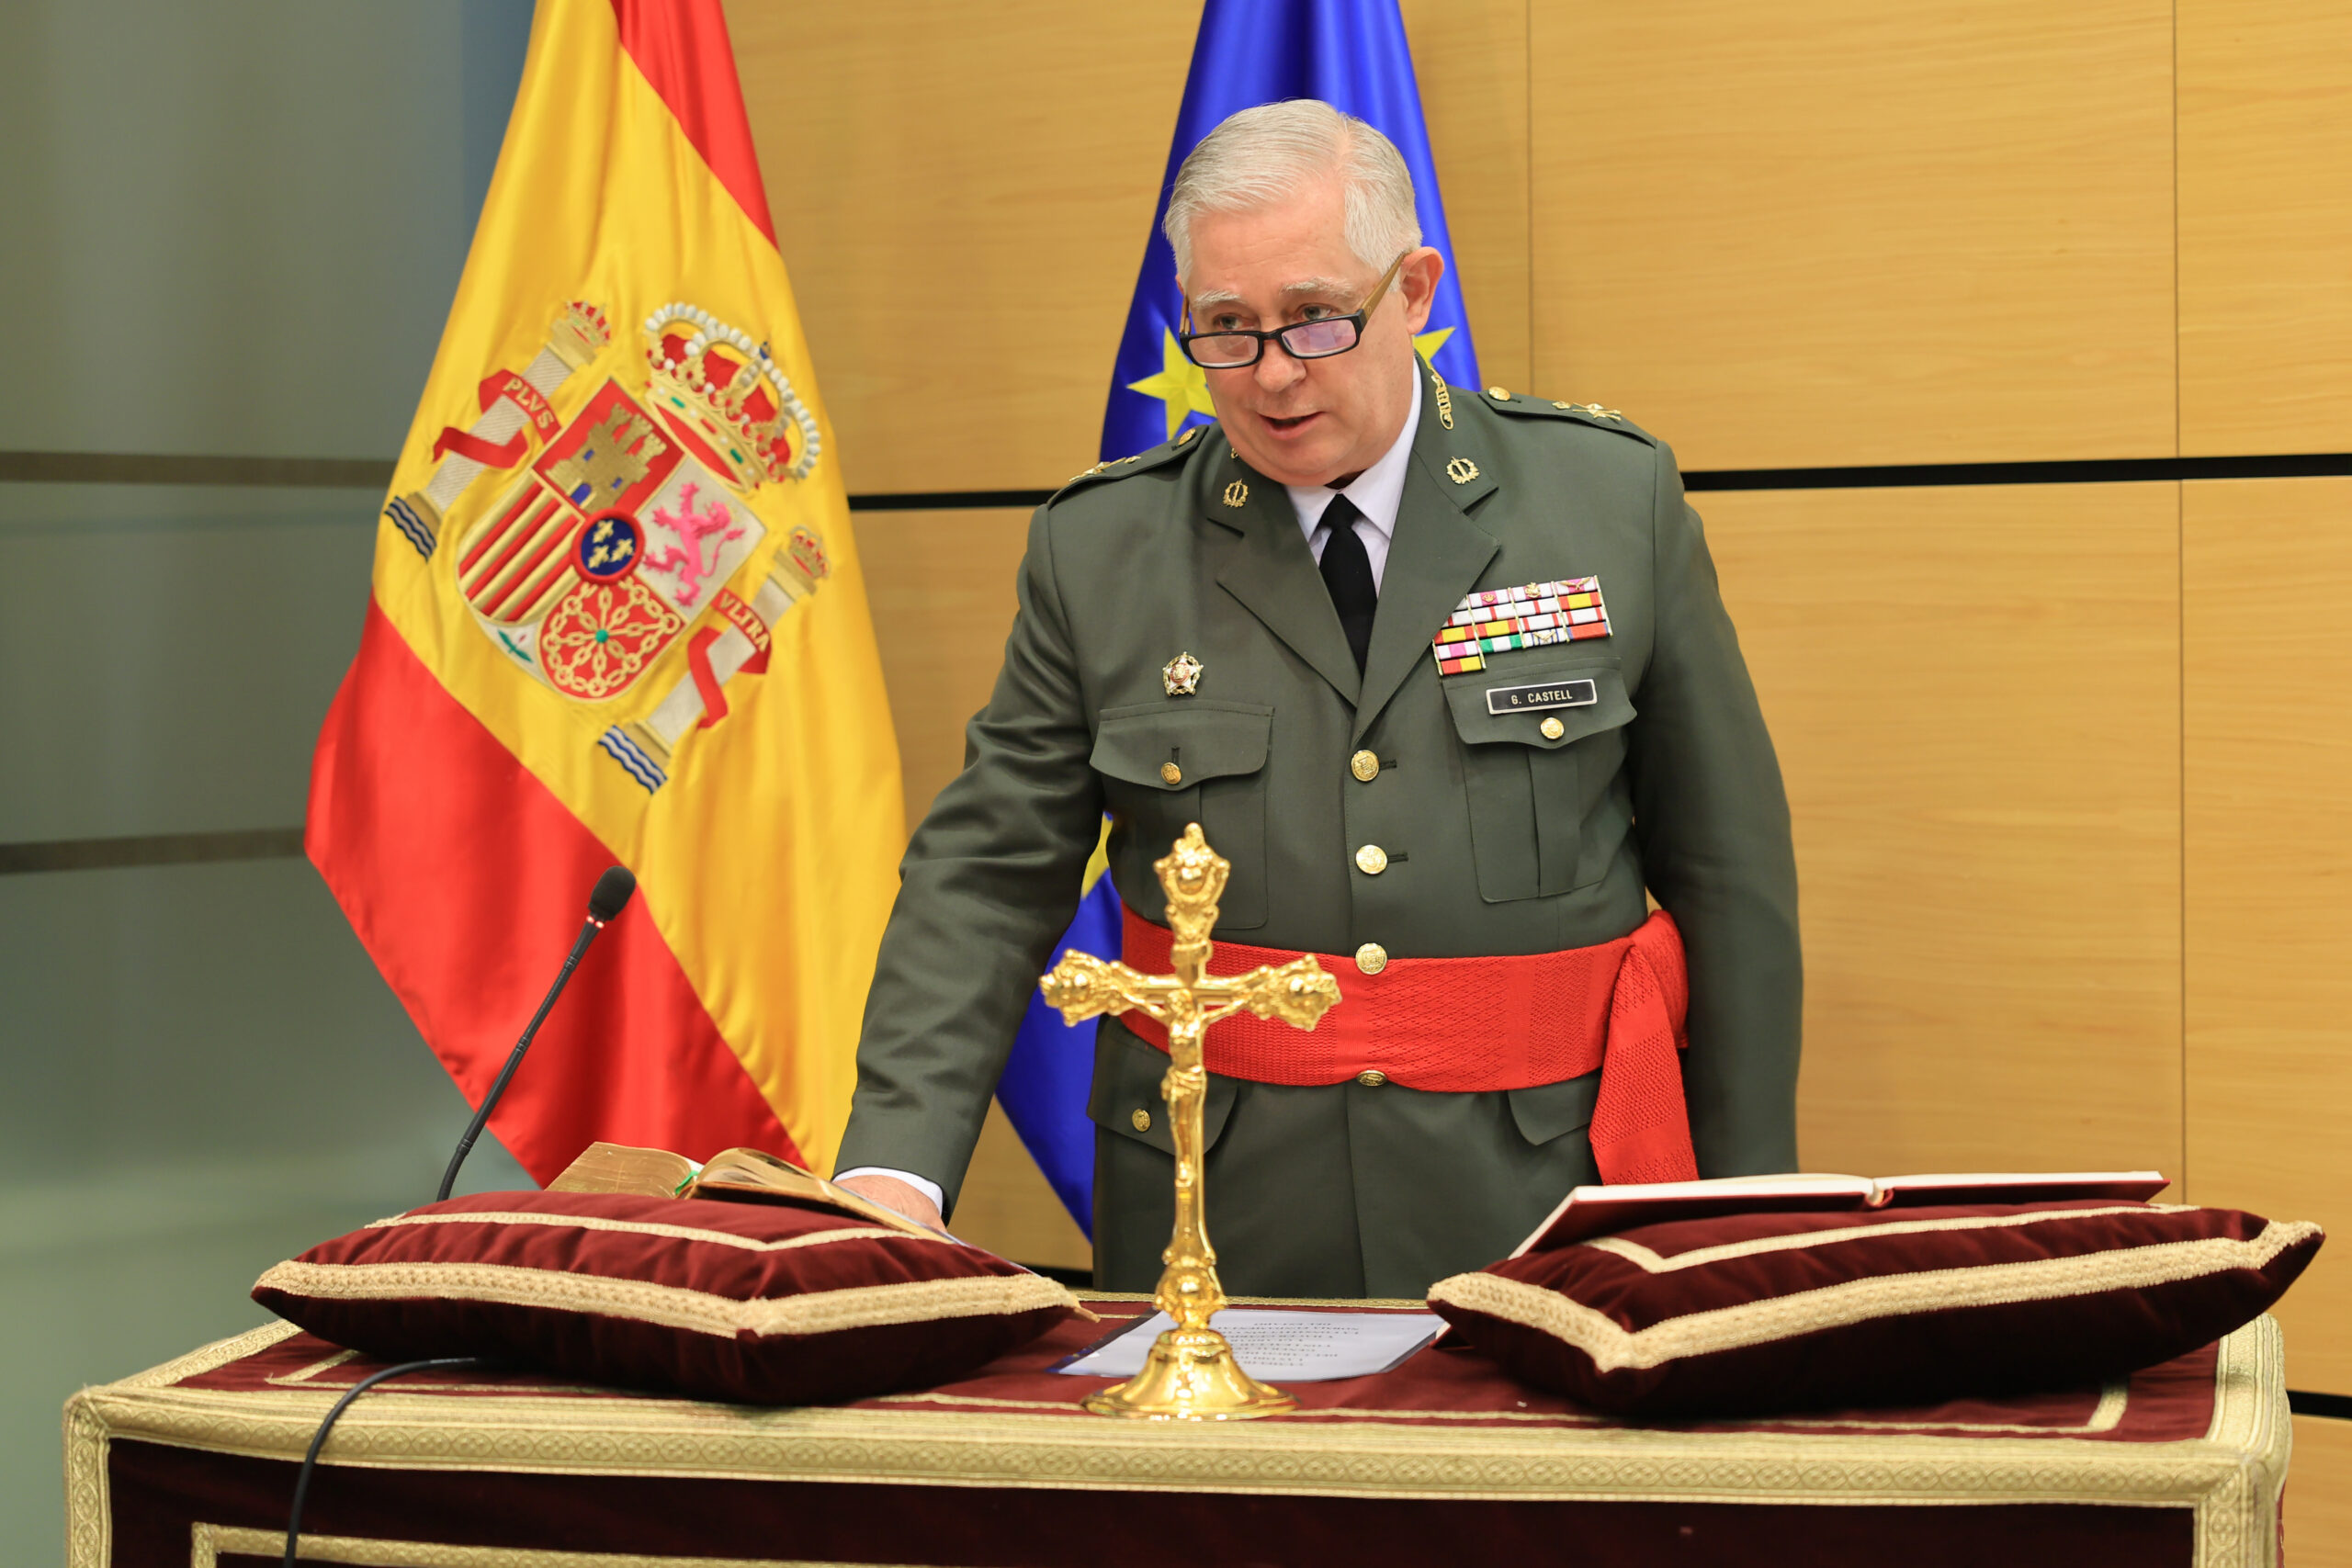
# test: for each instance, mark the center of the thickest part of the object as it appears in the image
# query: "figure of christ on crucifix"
(1191, 1372)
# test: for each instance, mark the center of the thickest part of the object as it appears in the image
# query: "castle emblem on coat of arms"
(624, 567)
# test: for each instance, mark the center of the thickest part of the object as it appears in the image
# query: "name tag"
(1551, 695)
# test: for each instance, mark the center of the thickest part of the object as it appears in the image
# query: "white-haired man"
(1447, 677)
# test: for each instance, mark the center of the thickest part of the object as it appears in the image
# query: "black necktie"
(1347, 572)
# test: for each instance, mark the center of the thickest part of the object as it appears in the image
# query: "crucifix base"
(1191, 1375)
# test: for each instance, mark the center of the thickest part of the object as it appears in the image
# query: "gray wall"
(230, 230)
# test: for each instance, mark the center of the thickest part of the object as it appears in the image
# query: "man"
(1241, 628)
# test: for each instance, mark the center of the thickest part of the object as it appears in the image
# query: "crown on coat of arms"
(725, 392)
(579, 334)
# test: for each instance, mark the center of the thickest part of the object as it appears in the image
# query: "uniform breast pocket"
(1165, 765)
(1541, 746)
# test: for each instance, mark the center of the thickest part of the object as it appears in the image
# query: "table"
(1441, 1460)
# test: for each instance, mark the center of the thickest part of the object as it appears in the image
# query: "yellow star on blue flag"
(1181, 385)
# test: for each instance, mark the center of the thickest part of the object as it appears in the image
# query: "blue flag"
(1052, 1064)
(1351, 54)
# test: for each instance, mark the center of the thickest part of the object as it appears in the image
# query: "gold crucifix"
(1191, 1374)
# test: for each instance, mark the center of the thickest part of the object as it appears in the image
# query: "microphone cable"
(310, 1460)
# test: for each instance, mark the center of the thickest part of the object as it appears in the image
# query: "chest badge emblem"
(1461, 470)
(1181, 675)
(1237, 493)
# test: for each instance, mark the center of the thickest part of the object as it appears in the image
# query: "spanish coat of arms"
(613, 568)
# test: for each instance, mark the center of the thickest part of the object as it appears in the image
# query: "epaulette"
(1593, 414)
(1140, 463)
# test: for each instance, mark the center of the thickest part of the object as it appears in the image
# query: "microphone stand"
(505, 1074)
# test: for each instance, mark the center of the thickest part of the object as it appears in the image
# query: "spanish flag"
(618, 616)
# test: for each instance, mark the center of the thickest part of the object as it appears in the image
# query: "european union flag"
(1351, 54)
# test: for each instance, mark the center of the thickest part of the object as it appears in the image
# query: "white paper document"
(1279, 1347)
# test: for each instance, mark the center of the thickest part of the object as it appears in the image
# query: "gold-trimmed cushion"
(1749, 1314)
(754, 1303)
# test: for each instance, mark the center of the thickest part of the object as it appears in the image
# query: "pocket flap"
(1553, 1110)
(1128, 1074)
(1586, 698)
(1204, 739)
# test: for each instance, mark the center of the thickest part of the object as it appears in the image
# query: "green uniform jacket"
(1499, 840)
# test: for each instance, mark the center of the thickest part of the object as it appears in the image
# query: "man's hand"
(892, 1194)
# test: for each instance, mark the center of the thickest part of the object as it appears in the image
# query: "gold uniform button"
(1372, 958)
(1371, 1077)
(1499, 394)
(1140, 1120)
(1364, 765)
(1553, 729)
(1170, 774)
(1372, 860)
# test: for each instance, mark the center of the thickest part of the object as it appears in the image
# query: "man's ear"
(1417, 278)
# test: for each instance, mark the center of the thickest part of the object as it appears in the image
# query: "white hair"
(1260, 156)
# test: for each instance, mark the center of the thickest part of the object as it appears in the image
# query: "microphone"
(605, 903)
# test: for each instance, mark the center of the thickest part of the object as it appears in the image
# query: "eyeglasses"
(1230, 349)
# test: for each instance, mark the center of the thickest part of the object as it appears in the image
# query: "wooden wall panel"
(1470, 59)
(2319, 1492)
(2266, 226)
(1839, 231)
(962, 194)
(1974, 695)
(941, 588)
(2268, 866)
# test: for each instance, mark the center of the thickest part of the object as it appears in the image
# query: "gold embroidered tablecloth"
(1442, 1459)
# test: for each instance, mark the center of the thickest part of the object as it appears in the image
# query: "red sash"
(1464, 1025)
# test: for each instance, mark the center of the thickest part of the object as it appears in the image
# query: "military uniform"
(1496, 833)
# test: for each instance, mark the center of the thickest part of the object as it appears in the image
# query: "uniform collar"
(1377, 491)
(1433, 559)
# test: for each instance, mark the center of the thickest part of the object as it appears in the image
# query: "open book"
(740, 1175)
(1599, 1210)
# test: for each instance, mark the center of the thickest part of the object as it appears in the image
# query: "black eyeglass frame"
(1282, 335)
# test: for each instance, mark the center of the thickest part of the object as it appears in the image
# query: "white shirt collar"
(1377, 493)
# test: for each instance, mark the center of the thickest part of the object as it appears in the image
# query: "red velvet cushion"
(1753, 1313)
(758, 1302)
